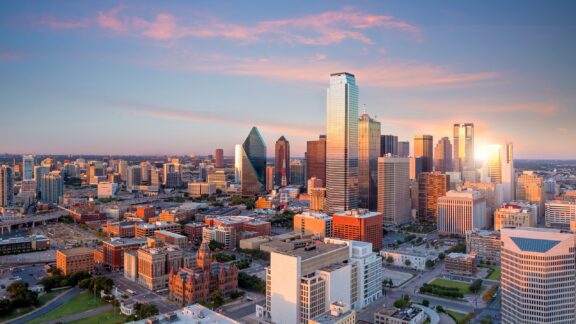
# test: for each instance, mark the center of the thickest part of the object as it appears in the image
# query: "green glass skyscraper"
(253, 171)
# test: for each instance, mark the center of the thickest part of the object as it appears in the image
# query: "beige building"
(197, 189)
(317, 199)
(313, 223)
(339, 313)
(485, 244)
(493, 193)
(516, 214)
(530, 187)
(394, 190)
(559, 213)
(75, 260)
(538, 274)
(461, 211)
(409, 315)
(155, 263)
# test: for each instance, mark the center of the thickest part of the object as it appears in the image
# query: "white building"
(416, 258)
(195, 313)
(394, 190)
(461, 211)
(559, 213)
(516, 214)
(538, 271)
(107, 189)
(339, 313)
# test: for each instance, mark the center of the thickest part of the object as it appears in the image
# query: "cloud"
(10, 56)
(54, 23)
(109, 20)
(562, 130)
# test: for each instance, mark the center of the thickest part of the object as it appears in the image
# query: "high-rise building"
(516, 214)
(431, 186)
(358, 225)
(133, 176)
(538, 274)
(388, 145)
(423, 147)
(404, 149)
(172, 177)
(253, 179)
(6, 186)
(219, 158)
(269, 178)
(123, 169)
(52, 188)
(530, 187)
(297, 172)
(313, 223)
(27, 167)
(282, 162)
(237, 163)
(342, 143)
(416, 166)
(464, 147)
(443, 155)
(39, 173)
(508, 174)
(394, 190)
(368, 153)
(316, 158)
(461, 211)
(495, 164)
(559, 213)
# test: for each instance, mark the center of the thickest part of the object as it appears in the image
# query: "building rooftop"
(196, 314)
(405, 314)
(76, 251)
(338, 311)
(21, 239)
(126, 241)
(167, 233)
(312, 250)
(315, 215)
(534, 245)
(461, 256)
(358, 213)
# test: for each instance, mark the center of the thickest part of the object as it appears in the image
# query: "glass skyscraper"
(368, 153)
(464, 147)
(342, 143)
(253, 173)
(27, 167)
(282, 162)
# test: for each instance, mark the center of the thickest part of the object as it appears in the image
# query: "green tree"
(389, 259)
(407, 262)
(425, 303)
(143, 311)
(441, 256)
(440, 309)
(429, 264)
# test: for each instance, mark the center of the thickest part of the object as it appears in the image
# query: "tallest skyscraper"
(342, 143)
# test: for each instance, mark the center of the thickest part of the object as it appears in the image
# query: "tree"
(143, 311)
(475, 286)
(389, 259)
(441, 256)
(440, 309)
(407, 262)
(402, 302)
(429, 264)
(216, 299)
(425, 303)
(20, 296)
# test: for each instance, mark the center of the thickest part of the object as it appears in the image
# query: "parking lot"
(29, 274)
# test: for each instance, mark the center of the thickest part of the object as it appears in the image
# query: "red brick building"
(112, 252)
(194, 230)
(119, 229)
(145, 212)
(361, 225)
(86, 213)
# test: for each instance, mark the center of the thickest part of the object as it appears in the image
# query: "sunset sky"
(183, 77)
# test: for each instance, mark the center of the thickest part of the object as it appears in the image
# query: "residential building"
(423, 147)
(27, 167)
(282, 162)
(460, 264)
(253, 177)
(559, 213)
(342, 144)
(358, 225)
(431, 186)
(389, 145)
(516, 214)
(443, 156)
(316, 158)
(538, 274)
(394, 190)
(52, 188)
(461, 211)
(368, 153)
(313, 223)
(485, 244)
(71, 261)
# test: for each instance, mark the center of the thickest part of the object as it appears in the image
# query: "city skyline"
(129, 68)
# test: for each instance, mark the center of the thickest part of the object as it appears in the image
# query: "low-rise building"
(113, 251)
(221, 234)
(408, 258)
(75, 260)
(196, 314)
(24, 244)
(313, 223)
(148, 229)
(559, 213)
(461, 263)
(408, 315)
(485, 244)
(107, 190)
(516, 214)
(172, 238)
(119, 229)
(197, 189)
(339, 313)
(194, 230)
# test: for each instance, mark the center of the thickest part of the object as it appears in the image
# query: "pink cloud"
(10, 55)
(109, 20)
(163, 27)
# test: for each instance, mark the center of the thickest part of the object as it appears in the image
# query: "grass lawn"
(43, 300)
(109, 317)
(83, 302)
(495, 275)
(455, 315)
(462, 286)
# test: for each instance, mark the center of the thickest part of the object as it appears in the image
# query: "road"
(52, 305)
(243, 308)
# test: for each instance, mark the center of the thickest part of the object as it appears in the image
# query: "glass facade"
(316, 159)
(282, 162)
(368, 153)
(464, 147)
(253, 171)
(423, 147)
(342, 143)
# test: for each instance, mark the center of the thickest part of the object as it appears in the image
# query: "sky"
(187, 77)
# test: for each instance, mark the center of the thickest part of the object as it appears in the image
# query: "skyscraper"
(342, 143)
(316, 158)
(443, 155)
(52, 188)
(368, 153)
(464, 147)
(27, 167)
(508, 174)
(388, 145)
(537, 276)
(404, 149)
(431, 186)
(394, 190)
(282, 162)
(253, 169)
(6, 186)
(237, 163)
(172, 175)
(423, 145)
(39, 172)
(495, 164)
(269, 178)
(133, 176)
(219, 163)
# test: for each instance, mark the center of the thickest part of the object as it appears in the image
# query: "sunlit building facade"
(342, 143)
(388, 145)
(27, 167)
(463, 146)
(443, 155)
(423, 147)
(282, 162)
(6, 186)
(253, 179)
(461, 211)
(237, 163)
(368, 153)
(316, 158)
(394, 190)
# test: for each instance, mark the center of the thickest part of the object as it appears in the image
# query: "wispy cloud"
(317, 29)
(10, 55)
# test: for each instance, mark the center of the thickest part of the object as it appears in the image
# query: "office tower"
(443, 155)
(269, 178)
(358, 225)
(495, 163)
(404, 149)
(516, 214)
(508, 174)
(431, 186)
(39, 173)
(123, 169)
(172, 178)
(388, 145)
(368, 153)
(282, 162)
(145, 168)
(538, 274)
(464, 147)
(133, 176)
(317, 194)
(297, 170)
(530, 187)
(423, 147)
(416, 166)
(27, 167)
(52, 188)
(6, 186)
(95, 171)
(155, 177)
(316, 158)
(394, 190)
(342, 143)
(253, 167)
(551, 188)
(318, 224)
(461, 211)
(237, 163)
(219, 162)
(559, 213)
